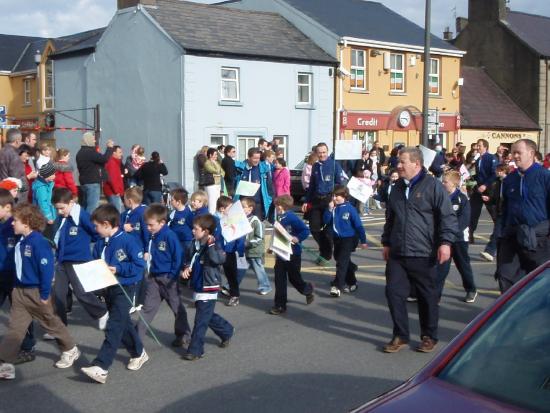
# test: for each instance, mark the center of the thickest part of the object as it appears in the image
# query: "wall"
(268, 105)
(544, 105)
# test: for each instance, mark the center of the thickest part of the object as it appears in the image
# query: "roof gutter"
(401, 47)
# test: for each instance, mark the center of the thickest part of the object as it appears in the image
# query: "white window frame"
(49, 100)
(283, 145)
(27, 96)
(354, 68)
(395, 71)
(309, 85)
(250, 142)
(217, 136)
(236, 81)
(435, 76)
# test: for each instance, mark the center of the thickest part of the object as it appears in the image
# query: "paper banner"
(94, 275)
(359, 190)
(245, 188)
(428, 154)
(234, 223)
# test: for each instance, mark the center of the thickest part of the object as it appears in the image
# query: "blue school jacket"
(166, 253)
(135, 218)
(122, 252)
(8, 239)
(295, 227)
(345, 222)
(74, 236)
(34, 263)
(181, 222)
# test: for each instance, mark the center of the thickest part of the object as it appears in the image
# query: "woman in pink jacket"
(281, 178)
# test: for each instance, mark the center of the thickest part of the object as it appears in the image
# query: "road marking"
(374, 241)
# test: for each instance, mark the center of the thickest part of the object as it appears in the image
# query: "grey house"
(174, 76)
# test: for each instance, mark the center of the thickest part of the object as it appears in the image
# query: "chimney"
(447, 34)
(486, 10)
(461, 23)
(124, 4)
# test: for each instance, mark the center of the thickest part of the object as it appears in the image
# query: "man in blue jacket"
(486, 174)
(524, 242)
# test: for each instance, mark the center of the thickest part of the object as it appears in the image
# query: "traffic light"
(49, 120)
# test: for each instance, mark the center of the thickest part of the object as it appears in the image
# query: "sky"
(54, 18)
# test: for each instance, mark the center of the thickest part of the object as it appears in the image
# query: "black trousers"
(64, 274)
(401, 273)
(461, 259)
(345, 268)
(476, 205)
(515, 261)
(321, 234)
(230, 269)
(292, 270)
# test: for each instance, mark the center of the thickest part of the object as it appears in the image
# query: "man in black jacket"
(419, 231)
(90, 166)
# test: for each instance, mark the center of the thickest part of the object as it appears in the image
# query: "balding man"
(10, 163)
(524, 243)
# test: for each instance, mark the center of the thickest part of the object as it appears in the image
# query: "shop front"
(496, 137)
(402, 126)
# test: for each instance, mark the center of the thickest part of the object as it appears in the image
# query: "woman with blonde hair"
(306, 172)
(213, 167)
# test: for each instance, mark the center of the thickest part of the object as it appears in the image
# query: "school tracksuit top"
(165, 253)
(8, 239)
(74, 236)
(181, 222)
(34, 263)
(295, 227)
(135, 218)
(345, 222)
(122, 252)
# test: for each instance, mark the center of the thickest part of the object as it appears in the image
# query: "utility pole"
(427, 64)
(97, 125)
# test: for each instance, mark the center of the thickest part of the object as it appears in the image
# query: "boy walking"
(290, 269)
(254, 246)
(75, 233)
(125, 260)
(203, 269)
(346, 230)
(31, 296)
(164, 261)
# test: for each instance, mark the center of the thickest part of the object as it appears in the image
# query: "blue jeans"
(150, 197)
(258, 267)
(206, 317)
(120, 329)
(491, 247)
(116, 201)
(91, 193)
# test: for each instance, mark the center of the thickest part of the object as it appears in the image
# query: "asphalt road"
(324, 357)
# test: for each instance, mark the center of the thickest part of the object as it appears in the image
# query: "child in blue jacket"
(290, 269)
(164, 263)
(125, 260)
(181, 218)
(206, 256)
(34, 264)
(42, 189)
(347, 228)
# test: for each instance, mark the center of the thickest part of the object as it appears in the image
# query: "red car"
(499, 363)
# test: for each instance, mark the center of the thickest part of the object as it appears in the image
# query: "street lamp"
(37, 60)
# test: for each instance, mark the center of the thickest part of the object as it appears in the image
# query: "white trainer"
(103, 321)
(7, 371)
(335, 291)
(95, 373)
(137, 362)
(486, 256)
(68, 358)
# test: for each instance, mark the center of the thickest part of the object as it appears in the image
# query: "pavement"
(325, 357)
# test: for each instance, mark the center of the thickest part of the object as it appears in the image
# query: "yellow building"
(380, 92)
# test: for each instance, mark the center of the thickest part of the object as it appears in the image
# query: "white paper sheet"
(245, 188)
(94, 275)
(348, 149)
(359, 190)
(428, 154)
(280, 243)
(234, 223)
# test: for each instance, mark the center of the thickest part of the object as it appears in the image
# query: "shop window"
(368, 138)
(397, 72)
(434, 76)
(27, 92)
(305, 88)
(230, 84)
(358, 70)
(244, 143)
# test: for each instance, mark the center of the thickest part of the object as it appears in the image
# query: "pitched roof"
(84, 42)
(484, 105)
(202, 28)
(11, 48)
(532, 29)
(366, 20)
(26, 62)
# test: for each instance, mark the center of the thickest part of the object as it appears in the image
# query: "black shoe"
(310, 298)
(25, 357)
(225, 343)
(470, 297)
(180, 342)
(277, 310)
(191, 357)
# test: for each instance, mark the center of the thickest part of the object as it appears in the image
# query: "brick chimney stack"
(486, 10)
(447, 34)
(124, 4)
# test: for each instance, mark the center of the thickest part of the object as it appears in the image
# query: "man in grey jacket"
(419, 230)
(10, 163)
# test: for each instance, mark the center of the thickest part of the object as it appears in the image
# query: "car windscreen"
(508, 359)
